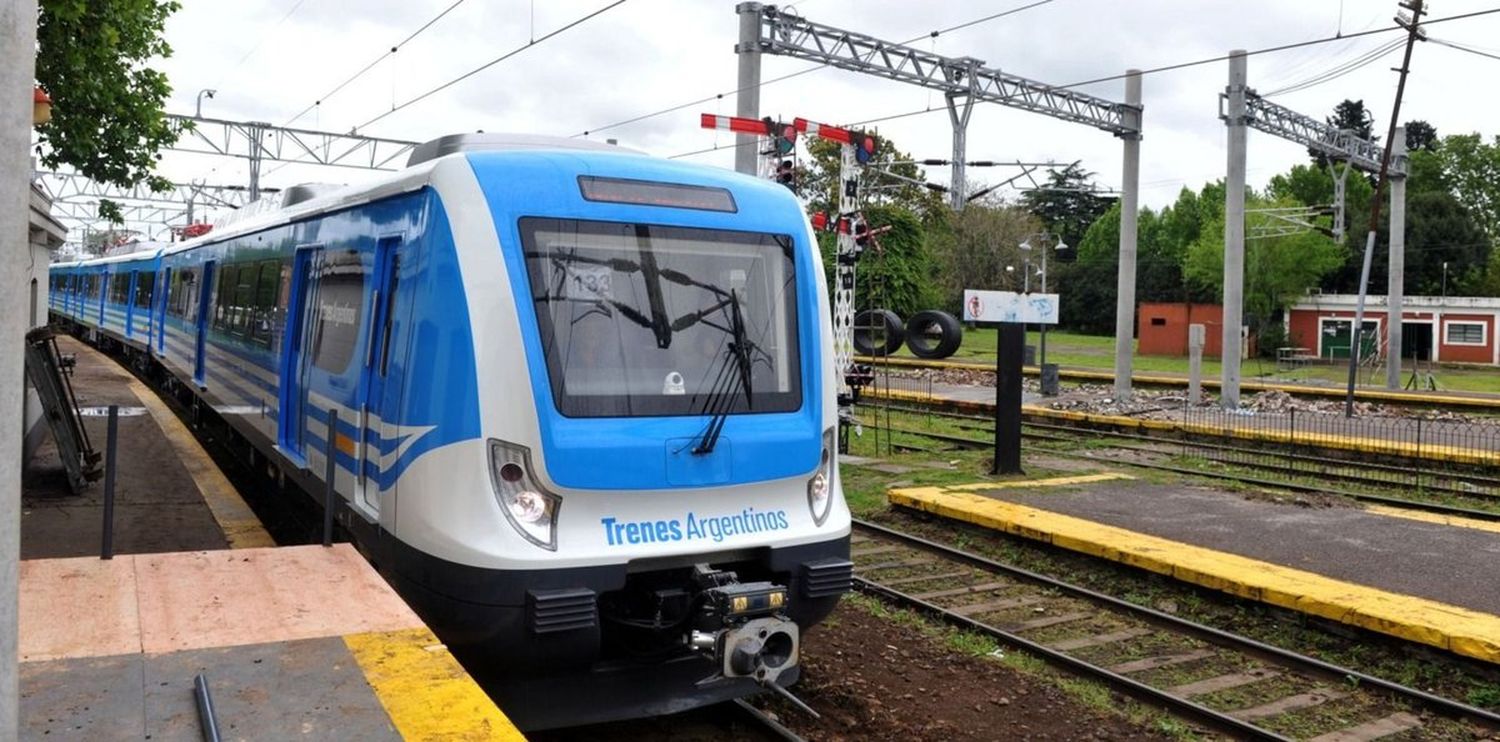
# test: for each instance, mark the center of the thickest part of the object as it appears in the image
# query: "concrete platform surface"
(1425, 581)
(169, 495)
(296, 642)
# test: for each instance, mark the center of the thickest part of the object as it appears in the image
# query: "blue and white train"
(584, 405)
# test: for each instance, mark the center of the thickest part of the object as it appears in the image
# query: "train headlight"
(531, 510)
(820, 485)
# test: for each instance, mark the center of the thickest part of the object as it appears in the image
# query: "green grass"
(1097, 353)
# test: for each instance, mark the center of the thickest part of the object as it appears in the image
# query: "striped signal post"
(780, 140)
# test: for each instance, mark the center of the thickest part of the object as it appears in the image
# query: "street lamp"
(1057, 245)
(198, 110)
(1445, 282)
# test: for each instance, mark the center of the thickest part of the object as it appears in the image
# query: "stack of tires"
(928, 334)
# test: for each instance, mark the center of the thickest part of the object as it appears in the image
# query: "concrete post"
(17, 60)
(1196, 336)
(1234, 233)
(1397, 281)
(1130, 178)
(747, 95)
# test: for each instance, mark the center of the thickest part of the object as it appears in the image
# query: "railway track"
(1228, 683)
(1153, 447)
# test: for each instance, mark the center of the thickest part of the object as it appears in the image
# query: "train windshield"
(642, 320)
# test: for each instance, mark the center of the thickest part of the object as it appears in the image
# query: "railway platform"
(1423, 578)
(293, 641)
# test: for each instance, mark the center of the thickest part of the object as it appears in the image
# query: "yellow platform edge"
(424, 690)
(1459, 630)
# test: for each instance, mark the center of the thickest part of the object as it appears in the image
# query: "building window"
(1464, 333)
(1158, 321)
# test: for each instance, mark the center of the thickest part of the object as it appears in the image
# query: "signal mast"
(854, 233)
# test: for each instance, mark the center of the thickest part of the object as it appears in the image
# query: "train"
(580, 403)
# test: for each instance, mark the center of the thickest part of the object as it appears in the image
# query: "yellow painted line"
(235, 518)
(1438, 518)
(1449, 627)
(424, 690)
(1051, 482)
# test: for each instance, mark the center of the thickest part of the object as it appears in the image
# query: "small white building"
(1446, 329)
(45, 237)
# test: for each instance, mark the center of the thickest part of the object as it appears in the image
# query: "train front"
(657, 389)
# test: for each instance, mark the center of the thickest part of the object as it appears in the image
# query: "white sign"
(1009, 306)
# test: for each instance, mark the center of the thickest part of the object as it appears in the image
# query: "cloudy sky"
(269, 60)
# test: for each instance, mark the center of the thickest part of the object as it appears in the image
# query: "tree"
(107, 118)
(898, 275)
(977, 245)
(1277, 269)
(1350, 115)
(1089, 285)
(818, 179)
(1471, 168)
(1067, 203)
(1420, 136)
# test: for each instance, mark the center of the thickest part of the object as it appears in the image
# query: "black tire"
(933, 334)
(877, 332)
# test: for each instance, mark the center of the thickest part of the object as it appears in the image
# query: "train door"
(129, 308)
(159, 298)
(205, 306)
(379, 406)
(296, 345)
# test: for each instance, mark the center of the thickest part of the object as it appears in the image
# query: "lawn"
(1097, 353)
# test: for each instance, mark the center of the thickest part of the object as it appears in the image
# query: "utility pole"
(1396, 281)
(1413, 32)
(747, 91)
(17, 67)
(1234, 234)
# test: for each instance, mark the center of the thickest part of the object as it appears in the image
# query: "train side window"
(336, 319)
(267, 290)
(244, 299)
(222, 295)
(145, 288)
(119, 288)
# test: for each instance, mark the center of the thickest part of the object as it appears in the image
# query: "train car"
(580, 403)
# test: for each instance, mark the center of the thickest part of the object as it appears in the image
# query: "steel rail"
(1220, 637)
(765, 721)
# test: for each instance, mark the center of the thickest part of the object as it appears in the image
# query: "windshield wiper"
(721, 398)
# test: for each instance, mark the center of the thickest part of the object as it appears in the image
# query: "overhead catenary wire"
(497, 60)
(261, 42)
(1333, 73)
(799, 73)
(1463, 48)
(377, 60)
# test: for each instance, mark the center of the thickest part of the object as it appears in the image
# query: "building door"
(1416, 340)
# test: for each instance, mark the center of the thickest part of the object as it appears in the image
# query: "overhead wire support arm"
(1339, 144)
(259, 141)
(795, 36)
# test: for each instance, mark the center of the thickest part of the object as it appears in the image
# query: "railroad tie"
(1094, 641)
(1042, 623)
(982, 588)
(924, 578)
(1222, 682)
(919, 561)
(993, 605)
(1290, 703)
(874, 551)
(1166, 660)
(1393, 724)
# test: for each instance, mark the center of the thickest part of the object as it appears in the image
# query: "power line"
(261, 42)
(493, 62)
(814, 68)
(1338, 71)
(1463, 48)
(1174, 67)
(373, 62)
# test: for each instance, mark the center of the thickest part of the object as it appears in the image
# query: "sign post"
(1011, 312)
